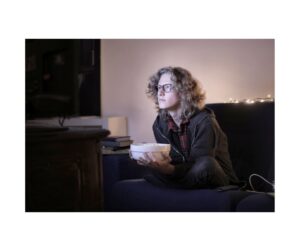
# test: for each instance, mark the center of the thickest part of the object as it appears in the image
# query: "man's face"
(167, 97)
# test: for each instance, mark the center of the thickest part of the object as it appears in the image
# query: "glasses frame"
(163, 87)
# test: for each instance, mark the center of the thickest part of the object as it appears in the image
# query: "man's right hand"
(162, 165)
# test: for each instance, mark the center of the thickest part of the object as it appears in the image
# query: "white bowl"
(156, 149)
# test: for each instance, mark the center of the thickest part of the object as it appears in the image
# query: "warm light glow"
(251, 101)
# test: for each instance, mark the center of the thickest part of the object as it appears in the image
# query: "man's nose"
(161, 92)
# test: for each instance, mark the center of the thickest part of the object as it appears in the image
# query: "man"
(199, 152)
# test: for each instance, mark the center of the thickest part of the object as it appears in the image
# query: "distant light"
(249, 101)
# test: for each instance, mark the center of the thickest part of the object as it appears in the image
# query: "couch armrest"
(118, 167)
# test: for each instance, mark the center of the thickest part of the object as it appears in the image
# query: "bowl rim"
(149, 144)
(149, 151)
(150, 147)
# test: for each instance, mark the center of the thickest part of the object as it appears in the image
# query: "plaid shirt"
(181, 132)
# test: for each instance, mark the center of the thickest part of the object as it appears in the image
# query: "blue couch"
(250, 132)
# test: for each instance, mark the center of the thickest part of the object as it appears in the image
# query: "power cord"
(254, 174)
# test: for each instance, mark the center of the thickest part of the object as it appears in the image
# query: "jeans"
(205, 173)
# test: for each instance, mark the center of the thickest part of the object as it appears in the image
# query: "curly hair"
(191, 94)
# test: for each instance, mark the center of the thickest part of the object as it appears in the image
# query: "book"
(117, 138)
(116, 143)
(112, 151)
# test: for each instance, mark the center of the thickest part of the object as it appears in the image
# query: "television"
(62, 78)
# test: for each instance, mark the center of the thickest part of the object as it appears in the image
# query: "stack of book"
(116, 142)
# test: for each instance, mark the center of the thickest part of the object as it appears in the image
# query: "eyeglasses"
(165, 88)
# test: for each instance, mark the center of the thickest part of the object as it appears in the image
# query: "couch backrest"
(250, 132)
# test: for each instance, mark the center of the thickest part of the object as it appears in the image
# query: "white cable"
(254, 174)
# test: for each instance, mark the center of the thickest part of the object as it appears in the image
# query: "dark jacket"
(206, 138)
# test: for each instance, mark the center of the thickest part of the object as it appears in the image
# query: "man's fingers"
(152, 157)
(147, 157)
(130, 154)
(142, 162)
(166, 157)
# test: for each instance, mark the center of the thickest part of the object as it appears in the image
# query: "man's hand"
(160, 164)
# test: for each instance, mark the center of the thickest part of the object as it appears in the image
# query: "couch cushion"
(138, 195)
(256, 203)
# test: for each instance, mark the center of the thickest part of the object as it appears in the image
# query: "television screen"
(62, 77)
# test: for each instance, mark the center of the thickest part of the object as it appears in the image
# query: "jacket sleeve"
(157, 138)
(157, 135)
(204, 139)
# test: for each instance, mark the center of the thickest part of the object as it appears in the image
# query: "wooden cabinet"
(64, 170)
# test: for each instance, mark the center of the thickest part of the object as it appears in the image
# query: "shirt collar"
(173, 126)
